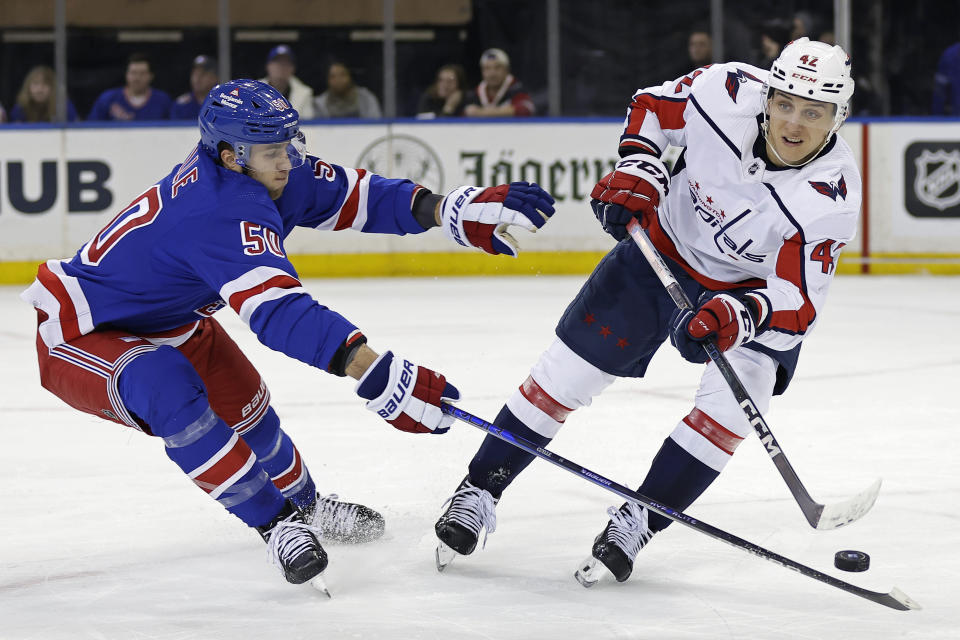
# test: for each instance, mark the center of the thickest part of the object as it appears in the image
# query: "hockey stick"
(895, 599)
(819, 516)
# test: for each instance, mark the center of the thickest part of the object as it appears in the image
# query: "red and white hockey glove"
(728, 320)
(407, 396)
(479, 217)
(634, 189)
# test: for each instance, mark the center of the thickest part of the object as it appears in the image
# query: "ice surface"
(101, 536)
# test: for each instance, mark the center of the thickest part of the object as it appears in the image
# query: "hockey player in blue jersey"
(126, 329)
(751, 220)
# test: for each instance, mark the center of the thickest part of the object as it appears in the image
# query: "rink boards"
(60, 185)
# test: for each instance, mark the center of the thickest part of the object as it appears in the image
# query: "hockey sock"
(165, 391)
(676, 479)
(281, 460)
(497, 463)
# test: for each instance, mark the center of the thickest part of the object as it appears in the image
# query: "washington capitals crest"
(831, 189)
(734, 80)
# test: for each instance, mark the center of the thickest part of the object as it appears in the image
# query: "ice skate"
(617, 545)
(344, 522)
(471, 509)
(293, 546)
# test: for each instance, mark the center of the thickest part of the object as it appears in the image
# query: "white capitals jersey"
(731, 219)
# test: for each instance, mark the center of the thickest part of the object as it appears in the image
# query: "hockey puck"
(849, 560)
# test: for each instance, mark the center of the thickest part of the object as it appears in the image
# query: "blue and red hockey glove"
(730, 321)
(407, 396)
(479, 217)
(634, 189)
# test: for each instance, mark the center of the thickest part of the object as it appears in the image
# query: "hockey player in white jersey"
(751, 221)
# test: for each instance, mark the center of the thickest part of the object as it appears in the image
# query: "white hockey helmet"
(813, 70)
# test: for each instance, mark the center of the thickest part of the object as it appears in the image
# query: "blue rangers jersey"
(731, 219)
(204, 237)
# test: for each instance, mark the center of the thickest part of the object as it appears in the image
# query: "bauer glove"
(479, 217)
(407, 396)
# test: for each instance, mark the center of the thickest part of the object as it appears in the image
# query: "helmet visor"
(795, 112)
(277, 156)
(798, 127)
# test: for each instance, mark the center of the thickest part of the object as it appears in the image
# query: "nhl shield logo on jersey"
(937, 183)
(831, 189)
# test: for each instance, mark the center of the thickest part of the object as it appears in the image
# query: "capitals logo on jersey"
(830, 189)
(734, 80)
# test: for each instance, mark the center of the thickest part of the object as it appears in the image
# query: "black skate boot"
(293, 546)
(344, 522)
(617, 545)
(458, 529)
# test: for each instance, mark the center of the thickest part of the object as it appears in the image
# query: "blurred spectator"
(344, 99)
(281, 65)
(802, 25)
(700, 48)
(37, 99)
(446, 96)
(137, 100)
(774, 35)
(203, 77)
(499, 94)
(946, 83)
(3, 114)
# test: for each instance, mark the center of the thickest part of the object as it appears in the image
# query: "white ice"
(101, 536)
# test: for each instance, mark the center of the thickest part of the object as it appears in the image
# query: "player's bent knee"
(164, 390)
(559, 383)
(757, 372)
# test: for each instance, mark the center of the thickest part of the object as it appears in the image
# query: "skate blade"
(320, 585)
(589, 572)
(444, 555)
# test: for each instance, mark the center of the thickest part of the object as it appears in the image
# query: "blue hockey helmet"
(245, 113)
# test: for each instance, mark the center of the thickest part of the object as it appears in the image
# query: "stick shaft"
(895, 599)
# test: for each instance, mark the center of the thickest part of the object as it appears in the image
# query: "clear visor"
(276, 156)
(800, 118)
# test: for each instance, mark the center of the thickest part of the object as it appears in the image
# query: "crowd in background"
(494, 92)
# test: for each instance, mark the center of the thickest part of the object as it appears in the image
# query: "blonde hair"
(38, 111)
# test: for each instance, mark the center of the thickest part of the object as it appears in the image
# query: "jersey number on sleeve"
(823, 254)
(258, 239)
(142, 211)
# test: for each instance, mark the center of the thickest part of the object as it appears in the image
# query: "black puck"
(850, 560)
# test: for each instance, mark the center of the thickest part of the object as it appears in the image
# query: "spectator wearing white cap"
(499, 94)
(203, 77)
(281, 64)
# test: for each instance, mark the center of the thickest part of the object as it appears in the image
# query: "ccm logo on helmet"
(800, 76)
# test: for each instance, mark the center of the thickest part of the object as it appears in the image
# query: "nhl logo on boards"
(938, 174)
(932, 179)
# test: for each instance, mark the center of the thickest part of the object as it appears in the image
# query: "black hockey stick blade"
(895, 599)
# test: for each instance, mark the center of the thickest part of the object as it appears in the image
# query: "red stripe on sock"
(539, 398)
(290, 477)
(721, 437)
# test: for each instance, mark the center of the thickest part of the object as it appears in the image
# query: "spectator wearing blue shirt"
(203, 78)
(137, 100)
(37, 99)
(946, 83)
